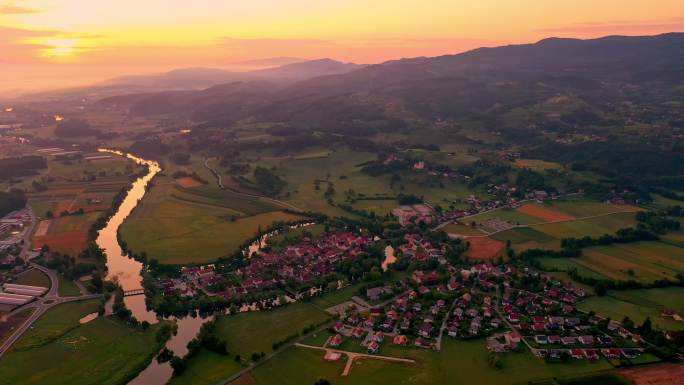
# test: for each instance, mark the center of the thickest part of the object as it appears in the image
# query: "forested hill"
(441, 87)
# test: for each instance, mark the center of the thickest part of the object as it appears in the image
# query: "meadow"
(640, 304)
(176, 226)
(459, 362)
(247, 333)
(103, 351)
(33, 277)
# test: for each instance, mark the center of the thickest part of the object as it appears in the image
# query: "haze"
(49, 44)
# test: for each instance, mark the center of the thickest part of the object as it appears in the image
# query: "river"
(126, 271)
(120, 267)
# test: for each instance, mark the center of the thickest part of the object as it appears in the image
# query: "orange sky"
(56, 43)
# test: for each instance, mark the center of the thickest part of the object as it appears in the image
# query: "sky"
(63, 43)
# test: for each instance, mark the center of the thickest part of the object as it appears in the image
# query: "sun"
(60, 48)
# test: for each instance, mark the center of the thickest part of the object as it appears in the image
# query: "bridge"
(129, 293)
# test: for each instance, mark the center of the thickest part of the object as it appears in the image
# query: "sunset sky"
(55, 43)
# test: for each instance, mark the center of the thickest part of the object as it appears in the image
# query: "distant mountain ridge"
(440, 87)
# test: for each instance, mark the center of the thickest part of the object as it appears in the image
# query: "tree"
(600, 289)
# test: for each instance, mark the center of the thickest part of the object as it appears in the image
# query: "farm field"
(548, 235)
(68, 234)
(33, 277)
(484, 248)
(254, 332)
(55, 323)
(103, 351)
(639, 304)
(174, 226)
(537, 164)
(647, 261)
(461, 229)
(566, 264)
(247, 333)
(207, 367)
(459, 363)
(544, 213)
(343, 169)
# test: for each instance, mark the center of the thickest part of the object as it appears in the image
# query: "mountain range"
(475, 82)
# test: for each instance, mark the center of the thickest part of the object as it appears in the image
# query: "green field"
(195, 230)
(461, 229)
(639, 304)
(67, 288)
(566, 264)
(103, 351)
(56, 323)
(248, 333)
(459, 362)
(207, 368)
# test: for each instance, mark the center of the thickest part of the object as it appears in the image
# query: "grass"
(103, 351)
(642, 261)
(537, 164)
(56, 323)
(640, 304)
(247, 333)
(566, 264)
(207, 368)
(459, 362)
(461, 229)
(178, 231)
(67, 288)
(522, 235)
(33, 277)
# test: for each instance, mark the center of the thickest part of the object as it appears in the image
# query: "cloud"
(11, 9)
(621, 27)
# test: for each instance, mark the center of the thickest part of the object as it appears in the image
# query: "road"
(351, 356)
(219, 183)
(42, 305)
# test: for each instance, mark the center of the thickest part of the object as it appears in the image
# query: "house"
(554, 339)
(611, 353)
(591, 354)
(630, 353)
(336, 340)
(452, 331)
(569, 340)
(375, 293)
(512, 338)
(541, 339)
(577, 353)
(400, 339)
(358, 333)
(373, 347)
(338, 327)
(586, 340)
(378, 337)
(425, 329)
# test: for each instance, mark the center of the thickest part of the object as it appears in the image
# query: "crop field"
(68, 234)
(461, 229)
(175, 225)
(33, 277)
(484, 248)
(522, 235)
(537, 164)
(103, 351)
(663, 374)
(513, 216)
(566, 264)
(544, 213)
(378, 206)
(188, 182)
(647, 260)
(639, 304)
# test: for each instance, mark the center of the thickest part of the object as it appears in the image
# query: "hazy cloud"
(11, 9)
(618, 27)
